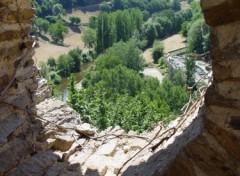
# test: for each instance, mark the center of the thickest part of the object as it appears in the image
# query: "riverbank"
(62, 87)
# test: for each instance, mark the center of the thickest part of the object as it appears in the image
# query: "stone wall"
(216, 151)
(17, 83)
(19, 126)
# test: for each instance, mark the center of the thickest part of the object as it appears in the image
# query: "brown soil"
(147, 54)
(174, 42)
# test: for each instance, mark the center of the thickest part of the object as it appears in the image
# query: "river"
(62, 87)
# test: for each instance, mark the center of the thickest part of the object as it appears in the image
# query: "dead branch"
(154, 147)
(121, 135)
(125, 163)
(202, 77)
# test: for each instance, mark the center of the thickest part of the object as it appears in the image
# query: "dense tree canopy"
(113, 27)
(115, 93)
(190, 71)
(198, 37)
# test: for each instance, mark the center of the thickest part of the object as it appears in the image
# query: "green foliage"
(92, 22)
(107, 61)
(72, 91)
(58, 10)
(164, 23)
(176, 76)
(151, 104)
(175, 96)
(42, 24)
(57, 31)
(198, 37)
(190, 71)
(44, 70)
(150, 32)
(146, 15)
(75, 54)
(69, 63)
(158, 51)
(54, 77)
(52, 19)
(151, 6)
(103, 31)
(119, 4)
(131, 113)
(53, 88)
(196, 11)
(89, 38)
(75, 20)
(128, 53)
(185, 28)
(162, 63)
(196, 30)
(105, 7)
(176, 5)
(51, 62)
(114, 93)
(117, 26)
(63, 66)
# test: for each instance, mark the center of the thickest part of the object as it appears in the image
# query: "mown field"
(71, 40)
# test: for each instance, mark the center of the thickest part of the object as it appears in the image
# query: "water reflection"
(62, 87)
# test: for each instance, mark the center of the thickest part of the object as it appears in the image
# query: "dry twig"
(121, 135)
(125, 163)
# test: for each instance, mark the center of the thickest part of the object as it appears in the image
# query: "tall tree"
(158, 50)
(150, 32)
(75, 54)
(89, 38)
(198, 37)
(72, 91)
(190, 69)
(103, 31)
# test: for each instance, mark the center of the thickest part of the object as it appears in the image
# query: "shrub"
(158, 50)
